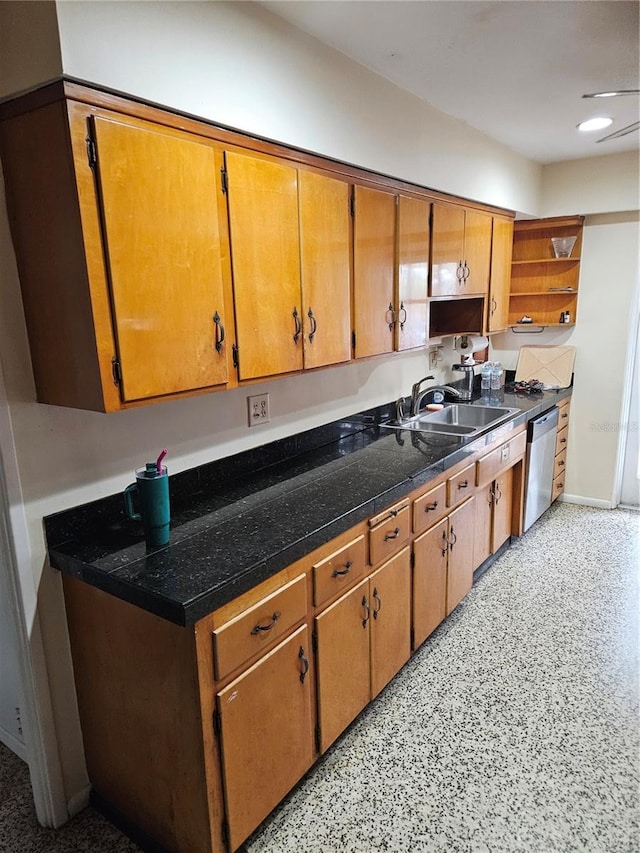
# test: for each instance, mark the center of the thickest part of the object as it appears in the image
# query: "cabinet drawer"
(559, 466)
(563, 413)
(501, 458)
(259, 627)
(390, 534)
(562, 439)
(338, 571)
(558, 487)
(429, 508)
(462, 486)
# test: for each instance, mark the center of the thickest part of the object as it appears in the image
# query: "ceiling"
(514, 69)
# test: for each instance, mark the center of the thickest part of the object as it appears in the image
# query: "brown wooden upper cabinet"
(413, 272)
(121, 247)
(460, 251)
(500, 279)
(374, 259)
(290, 256)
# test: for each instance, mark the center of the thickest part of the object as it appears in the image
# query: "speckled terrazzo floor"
(514, 728)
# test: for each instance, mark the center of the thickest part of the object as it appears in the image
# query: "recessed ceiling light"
(595, 123)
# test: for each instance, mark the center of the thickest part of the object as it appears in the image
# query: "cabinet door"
(460, 573)
(373, 267)
(263, 217)
(413, 272)
(325, 268)
(502, 509)
(343, 662)
(477, 251)
(390, 596)
(482, 539)
(266, 728)
(430, 581)
(501, 250)
(159, 196)
(447, 250)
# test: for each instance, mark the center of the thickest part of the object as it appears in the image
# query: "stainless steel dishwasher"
(541, 451)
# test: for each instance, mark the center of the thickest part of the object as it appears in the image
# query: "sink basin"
(461, 419)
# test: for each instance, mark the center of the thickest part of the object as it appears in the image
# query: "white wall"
(238, 65)
(605, 184)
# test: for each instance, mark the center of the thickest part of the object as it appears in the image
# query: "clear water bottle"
(496, 376)
(485, 377)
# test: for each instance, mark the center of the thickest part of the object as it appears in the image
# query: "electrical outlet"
(258, 409)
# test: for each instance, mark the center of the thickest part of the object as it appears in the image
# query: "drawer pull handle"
(561, 462)
(367, 611)
(565, 415)
(403, 310)
(347, 568)
(463, 484)
(262, 628)
(430, 507)
(378, 603)
(305, 664)
(563, 441)
(394, 535)
(314, 325)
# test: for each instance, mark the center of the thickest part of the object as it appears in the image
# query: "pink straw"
(160, 458)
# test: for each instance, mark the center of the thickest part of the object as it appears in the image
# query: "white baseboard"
(78, 801)
(579, 499)
(13, 743)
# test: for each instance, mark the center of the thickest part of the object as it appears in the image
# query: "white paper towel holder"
(468, 344)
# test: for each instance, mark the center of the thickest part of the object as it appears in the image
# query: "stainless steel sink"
(461, 419)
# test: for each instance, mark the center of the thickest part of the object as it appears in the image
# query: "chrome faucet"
(445, 389)
(415, 390)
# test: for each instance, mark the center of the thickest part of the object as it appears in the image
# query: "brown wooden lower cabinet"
(363, 639)
(267, 733)
(195, 734)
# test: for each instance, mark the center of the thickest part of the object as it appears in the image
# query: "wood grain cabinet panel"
(413, 273)
(461, 485)
(500, 278)
(158, 196)
(325, 257)
(390, 595)
(429, 508)
(344, 679)
(266, 725)
(374, 271)
(338, 571)
(460, 251)
(263, 216)
(460, 567)
(431, 551)
(389, 533)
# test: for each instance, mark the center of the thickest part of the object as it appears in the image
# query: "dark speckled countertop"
(238, 521)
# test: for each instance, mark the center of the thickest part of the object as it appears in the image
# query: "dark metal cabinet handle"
(563, 441)
(391, 514)
(402, 311)
(467, 271)
(314, 325)
(454, 539)
(463, 485)
(494, 305)
(378, 601)
(561, 462)
(445, 544)
(298, 322)
(367, 611)
(393, 535)
(262, 628)
(392, 322)
(347, 568)
(305, 664)
(498, 493)
(219, 332)
(431, 507)
(460, 272)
